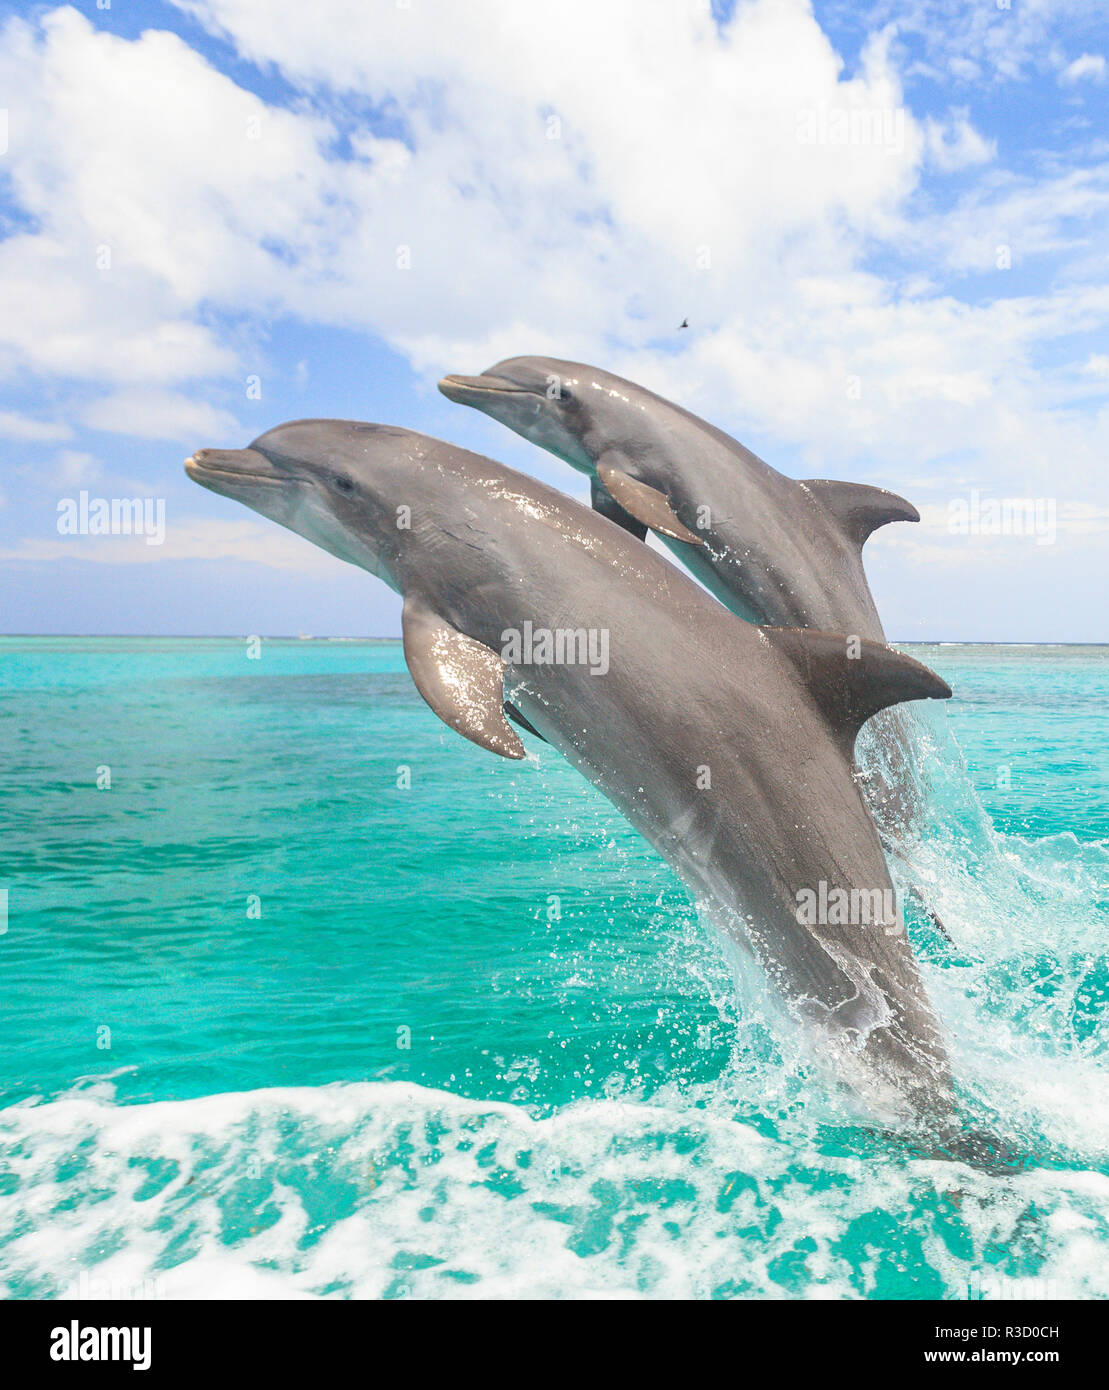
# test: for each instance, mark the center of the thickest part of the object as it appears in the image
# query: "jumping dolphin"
(727, 745)
(771, 549)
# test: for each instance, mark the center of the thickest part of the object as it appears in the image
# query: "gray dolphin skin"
(771, 549)
(727, 745)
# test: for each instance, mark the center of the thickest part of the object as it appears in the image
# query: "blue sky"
(195, 197)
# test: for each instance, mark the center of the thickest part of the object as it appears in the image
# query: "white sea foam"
(390, 1189)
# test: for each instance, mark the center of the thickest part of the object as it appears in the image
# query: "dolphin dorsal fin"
(850, 679)
(858, 507)
(460, 678)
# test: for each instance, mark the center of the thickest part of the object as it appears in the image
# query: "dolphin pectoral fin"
(859, 508)
(461, 679)
(607, 505)
(851, 679)
(646, 504)
(517, 718)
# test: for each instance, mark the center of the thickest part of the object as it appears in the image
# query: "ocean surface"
(304, 995)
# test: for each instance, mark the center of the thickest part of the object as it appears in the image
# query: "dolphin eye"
(341, 483)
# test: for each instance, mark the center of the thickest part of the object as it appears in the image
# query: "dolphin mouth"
(463, 388)
(210, 467)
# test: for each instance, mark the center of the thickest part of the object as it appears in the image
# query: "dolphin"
(773, 550)
(727, 745)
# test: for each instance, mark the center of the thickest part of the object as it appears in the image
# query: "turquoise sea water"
(278, 1023)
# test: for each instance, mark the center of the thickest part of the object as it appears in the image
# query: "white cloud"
(955, 144)
(1088, 66)
(502, 223)
(186, 538)
(61, 317)
(136, 161)
(72, 468)
(14, 425)
(984, 41)
(154, 414)
(1016, 218)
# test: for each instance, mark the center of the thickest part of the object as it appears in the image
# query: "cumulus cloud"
(534, 182)
(139, 164)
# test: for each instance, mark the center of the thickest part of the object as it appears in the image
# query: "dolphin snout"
(228, 463)
(462, 389)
